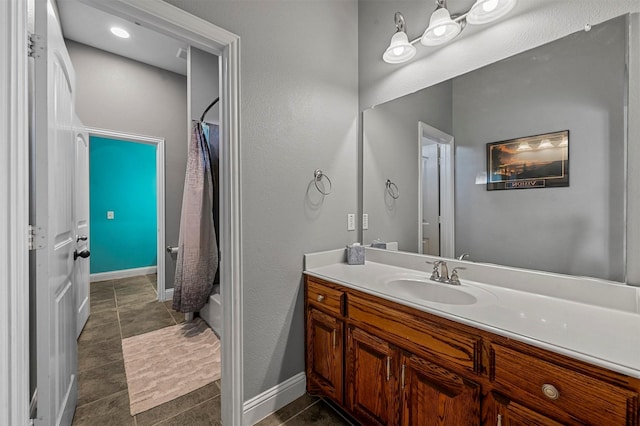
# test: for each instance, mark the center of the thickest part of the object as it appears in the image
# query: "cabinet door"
(324, 354)
(371, 382)
(432, 395)
(509, 413)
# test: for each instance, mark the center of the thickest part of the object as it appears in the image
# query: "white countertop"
(598, 335)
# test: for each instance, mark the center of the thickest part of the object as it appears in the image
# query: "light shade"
(441, 28)
(399, 50)
(485, 11)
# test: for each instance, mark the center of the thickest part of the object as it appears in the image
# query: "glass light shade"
(441, 28)
(399, 50)
(485, 11)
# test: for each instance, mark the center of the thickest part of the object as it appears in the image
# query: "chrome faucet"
(464, 256)
(444, 272)
(440, 273)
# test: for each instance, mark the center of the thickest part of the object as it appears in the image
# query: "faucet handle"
(435, 274)
(455, 279)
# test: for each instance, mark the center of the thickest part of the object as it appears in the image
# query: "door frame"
(14, 217)
(177, 23)
(14, 193)
(447, 187)
(158, 142)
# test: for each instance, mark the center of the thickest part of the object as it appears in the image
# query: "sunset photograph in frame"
(540, 161)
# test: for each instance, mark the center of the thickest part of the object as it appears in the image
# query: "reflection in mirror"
(577, 83)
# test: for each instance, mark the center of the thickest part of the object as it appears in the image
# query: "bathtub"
(212, 311)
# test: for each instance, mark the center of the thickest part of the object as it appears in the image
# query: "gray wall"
(530, 24)
(390, 151)
(299, 111)
(576, 84)
(120, 94)
(204, 85)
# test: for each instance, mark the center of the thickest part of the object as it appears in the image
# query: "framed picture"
(540, 161)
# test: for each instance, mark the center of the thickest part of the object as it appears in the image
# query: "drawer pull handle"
(320, 298)
(550, 391)
(388, 368)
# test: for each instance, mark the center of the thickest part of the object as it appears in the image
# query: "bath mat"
(165, 364)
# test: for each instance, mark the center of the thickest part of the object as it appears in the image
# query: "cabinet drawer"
(448, 346)
(579, 399)
(324, 296)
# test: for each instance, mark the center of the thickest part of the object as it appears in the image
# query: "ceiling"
(90, 26)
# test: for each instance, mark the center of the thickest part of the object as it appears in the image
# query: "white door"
(81, 280)
(56, 309)
(430, 199)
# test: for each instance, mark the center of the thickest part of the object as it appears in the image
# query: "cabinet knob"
(320, 298)
(550, 391)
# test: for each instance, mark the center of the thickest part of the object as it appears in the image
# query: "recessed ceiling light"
(119, 32)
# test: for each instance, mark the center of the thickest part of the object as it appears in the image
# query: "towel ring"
(392, 189)
(317, 177)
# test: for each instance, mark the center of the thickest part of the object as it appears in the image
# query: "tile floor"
(128, 307)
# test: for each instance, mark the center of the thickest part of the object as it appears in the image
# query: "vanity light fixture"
(119, 32)
(443, 27)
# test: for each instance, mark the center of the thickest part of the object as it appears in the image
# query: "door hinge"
(34, 45)
(35, 238)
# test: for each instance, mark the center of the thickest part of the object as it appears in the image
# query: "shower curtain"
(197, 248)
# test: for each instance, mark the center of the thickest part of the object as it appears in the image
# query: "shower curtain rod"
(208, 108)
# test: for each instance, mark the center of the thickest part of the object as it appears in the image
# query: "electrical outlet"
(365, 221)
(110, 214)
(351, 222)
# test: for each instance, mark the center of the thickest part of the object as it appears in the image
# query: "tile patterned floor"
(128, 307)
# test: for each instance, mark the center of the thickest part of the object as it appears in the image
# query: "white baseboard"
(270, 401)
(123, 273)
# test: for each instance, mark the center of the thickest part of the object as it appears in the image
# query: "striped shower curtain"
(197, 248)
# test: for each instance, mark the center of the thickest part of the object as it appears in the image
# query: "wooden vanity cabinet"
(324, 354)
(324, 340)
(387, 364)
(434, 395)
(506, 412)
(371, 379)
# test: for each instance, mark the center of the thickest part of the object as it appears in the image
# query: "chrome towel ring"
(392, 189)
(318, 175)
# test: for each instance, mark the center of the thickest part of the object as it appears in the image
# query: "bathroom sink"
(431, 291)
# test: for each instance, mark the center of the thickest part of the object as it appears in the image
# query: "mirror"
(576, 84)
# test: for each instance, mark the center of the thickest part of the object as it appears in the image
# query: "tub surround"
(590, 320)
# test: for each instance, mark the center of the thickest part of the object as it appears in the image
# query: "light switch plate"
(351, 222)
(110, 214)
(365, 221)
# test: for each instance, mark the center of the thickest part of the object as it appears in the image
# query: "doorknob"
(81, 238)
(83, 254)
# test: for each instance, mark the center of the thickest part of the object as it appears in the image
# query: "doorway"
(170, 20)
(435, 192)
(205, 36)
(127, 187)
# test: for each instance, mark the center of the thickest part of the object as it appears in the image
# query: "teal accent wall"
(123, 180)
